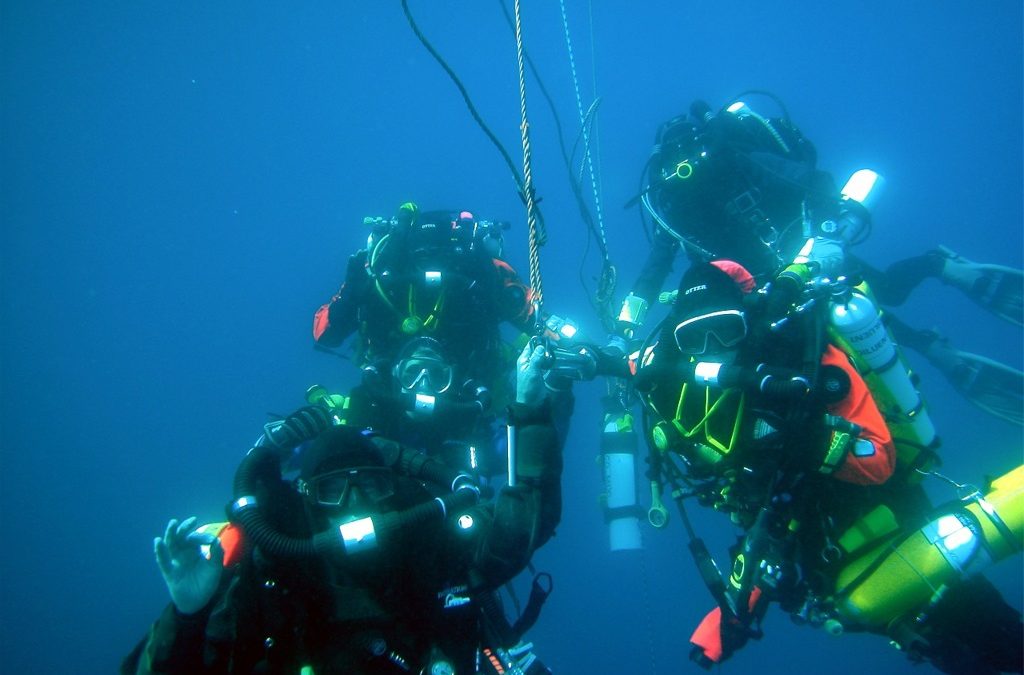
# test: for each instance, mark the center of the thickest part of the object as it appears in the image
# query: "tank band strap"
(997, 521)
(630, 511)
(888, 364)
(917, 408)
(618, 442)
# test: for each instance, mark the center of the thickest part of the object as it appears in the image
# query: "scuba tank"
(618, 435)
(619, 445)
(856, 327)
(858, 330)
(902, 574)
(618, 458)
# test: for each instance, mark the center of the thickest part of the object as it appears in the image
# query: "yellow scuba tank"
(856, 327)
(902, 574)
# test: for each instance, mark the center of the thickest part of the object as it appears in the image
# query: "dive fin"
(994, 387)
(997, 288)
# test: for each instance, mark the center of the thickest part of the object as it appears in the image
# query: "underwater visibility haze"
(182, 184)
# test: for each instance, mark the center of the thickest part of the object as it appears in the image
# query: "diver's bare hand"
(191, 563)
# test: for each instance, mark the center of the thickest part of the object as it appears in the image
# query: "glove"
(530, 387)
(191, 575)
(357, 270)
(562, 332)
(523, 659)
(584, 362)
(843, 435)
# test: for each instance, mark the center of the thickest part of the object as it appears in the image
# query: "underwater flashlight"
(864, 187)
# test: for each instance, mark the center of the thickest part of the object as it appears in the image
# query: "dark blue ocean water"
(182, 182)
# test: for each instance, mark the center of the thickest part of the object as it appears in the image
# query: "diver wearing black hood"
(377, 559)
(741, 185)
(423, 306)
(771, 423)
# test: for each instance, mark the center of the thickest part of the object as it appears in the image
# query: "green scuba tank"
(900, 574)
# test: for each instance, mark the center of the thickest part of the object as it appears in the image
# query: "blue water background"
(182, 182)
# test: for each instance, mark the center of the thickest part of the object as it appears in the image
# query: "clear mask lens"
(424, 375)
(711, 332)
(342, 487)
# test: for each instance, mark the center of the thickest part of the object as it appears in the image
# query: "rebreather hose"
(537, 235)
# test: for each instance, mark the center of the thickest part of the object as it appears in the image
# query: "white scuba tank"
(856, 319)
(618, 454)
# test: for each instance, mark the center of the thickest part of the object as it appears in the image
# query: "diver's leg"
(996, 288)
(994, 387)
(895, 284)
(973, 630)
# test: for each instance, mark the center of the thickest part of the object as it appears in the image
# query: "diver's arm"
(174, 645)
(516, 298)
(525, 515)
(338, 318)
(714, 641)
(830, 255)
(870, 457)
(833, 222)
(657, 266)
(898, 281)
(539, 463)
(192, 563)
(562, 404)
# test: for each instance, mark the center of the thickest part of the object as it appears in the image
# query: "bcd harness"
(766, 408)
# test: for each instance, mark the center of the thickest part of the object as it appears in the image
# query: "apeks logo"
(454, 596)
(701, 287)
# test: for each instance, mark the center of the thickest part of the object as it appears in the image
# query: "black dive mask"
(354, 490)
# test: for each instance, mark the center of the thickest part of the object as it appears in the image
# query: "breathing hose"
(262, 466)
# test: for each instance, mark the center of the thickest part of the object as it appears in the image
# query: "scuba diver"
(427, 298)
(374, 559)
(754, 407)
(739, 185)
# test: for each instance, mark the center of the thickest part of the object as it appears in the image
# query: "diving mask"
(350, 488)
(421, 368)
(425, 375)
(725, 327)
